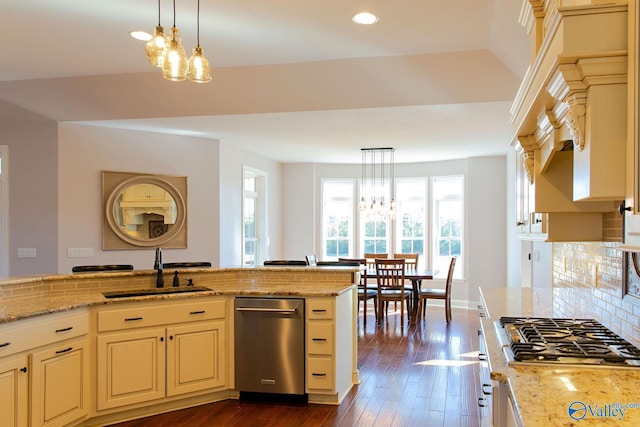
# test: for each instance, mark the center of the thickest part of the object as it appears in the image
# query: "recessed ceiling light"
(364, 18)
(140, 35)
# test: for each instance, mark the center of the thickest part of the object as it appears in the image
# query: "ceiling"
(295, 81)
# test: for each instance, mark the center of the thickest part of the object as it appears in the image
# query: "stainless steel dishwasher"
(269, 345)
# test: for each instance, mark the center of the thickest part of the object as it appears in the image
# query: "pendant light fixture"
(198, 65)
(155, 46)
(174, 58)
(373, 188)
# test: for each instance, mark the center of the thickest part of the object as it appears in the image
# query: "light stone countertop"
(542, 395)
(57, 295)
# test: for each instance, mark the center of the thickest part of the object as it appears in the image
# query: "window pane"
(447, 223)
(410, 225)
(337, 219)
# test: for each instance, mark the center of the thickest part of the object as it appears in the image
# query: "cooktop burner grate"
(560, 340)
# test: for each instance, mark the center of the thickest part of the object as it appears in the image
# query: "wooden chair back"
(411, 260)
(390, 274)
(371, 259)
(447, 289)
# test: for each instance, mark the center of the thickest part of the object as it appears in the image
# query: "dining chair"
(442, 294)
(312, 260)
(371, 259)
(411, 260)
(365, 293)
(390, 280)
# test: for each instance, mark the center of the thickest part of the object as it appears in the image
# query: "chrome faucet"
(157, 265)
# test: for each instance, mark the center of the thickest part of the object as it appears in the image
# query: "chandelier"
(377, 163)
(167, 53)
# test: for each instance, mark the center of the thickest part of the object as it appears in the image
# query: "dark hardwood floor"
(420, 375)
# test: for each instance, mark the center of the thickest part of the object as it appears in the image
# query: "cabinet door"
(14, 397)
(196, 357)
(130, 367)
(60, 384)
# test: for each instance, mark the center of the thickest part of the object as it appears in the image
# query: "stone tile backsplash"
(588, 282)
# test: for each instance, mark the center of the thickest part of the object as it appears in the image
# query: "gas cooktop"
(538, 340)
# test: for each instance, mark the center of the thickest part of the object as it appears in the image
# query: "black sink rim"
(153, 292)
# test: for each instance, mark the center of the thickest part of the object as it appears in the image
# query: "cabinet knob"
(161, 339)
(622, 208)
(519, 223)
(482, 402)
(23, 370)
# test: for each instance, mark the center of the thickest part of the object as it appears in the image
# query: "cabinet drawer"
(320, 373)
(319, 309)
(30, 333)
(140, 316)
(320, 338)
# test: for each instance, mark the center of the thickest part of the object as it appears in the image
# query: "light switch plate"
(26, 252)
(79, 252)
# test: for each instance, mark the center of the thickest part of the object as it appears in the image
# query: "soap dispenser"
(176, 281)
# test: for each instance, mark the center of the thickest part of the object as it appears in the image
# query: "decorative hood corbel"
(575, 119)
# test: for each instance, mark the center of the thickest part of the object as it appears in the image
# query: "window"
(411, 217)
(254, 248)
(447, 223)
(337, 219)
(429, 222)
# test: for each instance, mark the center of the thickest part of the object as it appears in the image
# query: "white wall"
(300, 191)
(33, 192)
(85, 151)
(486, 217)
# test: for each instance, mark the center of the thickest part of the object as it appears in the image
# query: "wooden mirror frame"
(114, 184)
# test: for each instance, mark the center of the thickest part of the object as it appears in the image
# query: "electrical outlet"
(564, 264)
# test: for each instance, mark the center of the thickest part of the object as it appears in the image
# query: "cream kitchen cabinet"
(14, 391)
(44, 370)
(329, 347)
(631, 207)
(60, 384)
(570, 119)
(149, 351)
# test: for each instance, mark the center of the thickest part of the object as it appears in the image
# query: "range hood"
(573, 101)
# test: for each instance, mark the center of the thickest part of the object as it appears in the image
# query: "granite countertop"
(542, 395)
(53, 301)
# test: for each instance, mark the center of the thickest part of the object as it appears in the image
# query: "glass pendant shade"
(155, 47)
(199, 71)
(174, 58)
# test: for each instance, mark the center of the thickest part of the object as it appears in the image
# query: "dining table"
(416, 276)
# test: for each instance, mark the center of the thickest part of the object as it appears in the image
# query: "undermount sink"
(155, 291)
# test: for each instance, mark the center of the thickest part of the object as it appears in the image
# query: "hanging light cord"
(198, 26)
(174, 13)
(158, 12)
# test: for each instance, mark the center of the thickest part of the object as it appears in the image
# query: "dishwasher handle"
(268, 310)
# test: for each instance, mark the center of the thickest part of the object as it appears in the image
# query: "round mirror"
(145, 211)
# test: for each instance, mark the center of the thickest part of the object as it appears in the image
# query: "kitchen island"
(543, 395)
(60, 331)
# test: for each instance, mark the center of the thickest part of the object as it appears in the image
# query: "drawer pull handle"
(5, 344)
(319, 310)
(319, 339)
(318, 375)
(131, 319)
(66, 350)
(482, 357)
(486, 393)
(197, 312)
(482, 315)
(481, 402)
(64, 329)
(23, 370)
